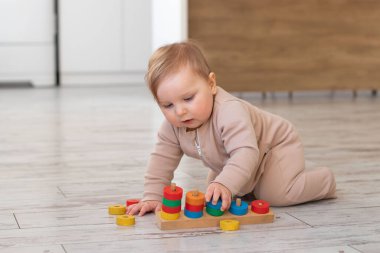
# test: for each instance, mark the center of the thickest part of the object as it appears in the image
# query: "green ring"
(171, 203)
(214, 212)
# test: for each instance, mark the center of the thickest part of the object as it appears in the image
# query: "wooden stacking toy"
(259, 212)
(194, 204)
(171, 202)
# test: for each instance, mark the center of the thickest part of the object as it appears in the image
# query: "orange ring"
(195, 200)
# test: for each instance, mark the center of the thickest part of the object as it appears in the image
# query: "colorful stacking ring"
(195, 198)
(169, 216)
(168, 209)
(193, 208)
(116, 209)
(193, 215)
(229, 225)
(218, 205)
(171, 203)
(214, 212)
(130, 202)
(173, 194)
(125, 220)
(260, 206)
(241, 209)
(194, 204)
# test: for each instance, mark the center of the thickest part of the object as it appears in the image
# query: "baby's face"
(185, 98)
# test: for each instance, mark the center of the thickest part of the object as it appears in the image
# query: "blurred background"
(251, 45)
(65, 42)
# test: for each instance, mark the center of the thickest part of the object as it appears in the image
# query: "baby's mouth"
(187, 121)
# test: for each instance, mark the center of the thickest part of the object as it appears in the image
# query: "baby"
(248, 150)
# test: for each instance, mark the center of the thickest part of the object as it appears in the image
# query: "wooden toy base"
(212, 221)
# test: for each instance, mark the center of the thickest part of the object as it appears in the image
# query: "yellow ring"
(169, 216)
(125, 220)
(229, 225)
(116, 209)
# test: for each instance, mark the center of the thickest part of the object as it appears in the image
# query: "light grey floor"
(66, 154)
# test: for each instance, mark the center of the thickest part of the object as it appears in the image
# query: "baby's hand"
(216, 191)
(144, 207)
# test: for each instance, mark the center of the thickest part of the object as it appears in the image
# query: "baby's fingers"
(133, 209)
(209, 192)
(145, 209)
(226, 202)
(158, 208)
(215, 196)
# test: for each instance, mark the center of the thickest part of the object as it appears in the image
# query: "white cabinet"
(27, 42)
(100, 41)
(104, 41)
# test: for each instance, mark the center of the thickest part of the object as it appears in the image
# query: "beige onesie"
(247, 150)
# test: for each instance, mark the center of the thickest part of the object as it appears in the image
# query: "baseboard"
(81, 79)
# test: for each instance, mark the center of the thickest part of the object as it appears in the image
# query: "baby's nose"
(180, 110)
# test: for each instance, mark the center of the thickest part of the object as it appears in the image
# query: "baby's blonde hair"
(171, 58)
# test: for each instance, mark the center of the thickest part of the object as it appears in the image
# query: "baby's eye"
(189, 98)
(167, 106)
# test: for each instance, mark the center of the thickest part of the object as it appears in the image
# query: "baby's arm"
(236, 130)
(216, 191)
(144, 207)
(160, 170)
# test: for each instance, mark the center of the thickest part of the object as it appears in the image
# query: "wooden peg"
(195, 192)
(238, 202)
(173, 186)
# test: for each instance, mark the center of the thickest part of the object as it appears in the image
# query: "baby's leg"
(286, 182)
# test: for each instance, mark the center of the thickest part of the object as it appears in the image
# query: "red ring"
(173, 195)
(168, 209)
(260, 206)
(193, 208)
(132, 201)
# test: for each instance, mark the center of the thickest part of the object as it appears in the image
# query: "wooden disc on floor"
(117, 209)
(125, 220)
(229, 225)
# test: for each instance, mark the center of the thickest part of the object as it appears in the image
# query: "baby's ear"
(212, 82)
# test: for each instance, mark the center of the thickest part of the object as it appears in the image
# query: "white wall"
(169, 22)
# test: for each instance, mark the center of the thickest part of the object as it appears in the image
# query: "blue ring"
(217, 206)
(239, 210)
(193, 215)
